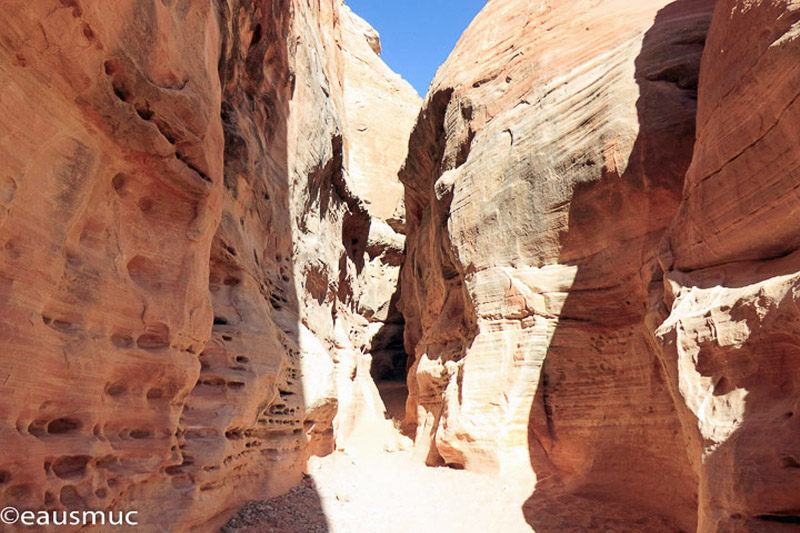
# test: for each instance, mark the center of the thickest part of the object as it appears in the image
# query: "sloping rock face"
(544, 169)
(727, 328)
(183, 249)
(589, 288)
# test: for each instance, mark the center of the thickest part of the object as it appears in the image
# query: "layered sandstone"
(184, 247)
(203, 230)
(588, 288)
(727, 324)
(543, 171)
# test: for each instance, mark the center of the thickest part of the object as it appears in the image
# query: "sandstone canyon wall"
(727, 322)
(590, 294)
(539, 183)
(202, 232)
(185, 224)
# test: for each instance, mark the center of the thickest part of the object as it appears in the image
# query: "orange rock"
(570, 298)
(112, 162)
(182, 239)
(732, 271)
(545, 167)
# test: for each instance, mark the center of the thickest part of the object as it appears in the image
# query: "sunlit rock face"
(112, 167)
(601, 263)
(545, 167)
(728, 325)
(184, 248)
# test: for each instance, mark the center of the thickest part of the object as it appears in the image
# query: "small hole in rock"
(233, 434)
(71, 467)
(173, 470)
(144, 114)
(256, 36)
(69, 496)
(116, 389)
(118, 182)
(790, 462)
(145, 204)
(156, 338)
(60, 426)
(722, 387)
(121, 341)
(110, 67)
(154, 394)
(120, 92)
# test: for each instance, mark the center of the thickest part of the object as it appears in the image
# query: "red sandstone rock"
(546, 164)
(202, 231)
(112, 158)
(178, 225)
(731, 274)
(558, 260)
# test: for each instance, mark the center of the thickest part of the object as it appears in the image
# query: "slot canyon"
(251, 281)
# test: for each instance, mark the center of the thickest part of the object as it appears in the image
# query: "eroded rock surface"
(545, 167)
(591, 292)
(202, 232)
(185, 248)
(728, 325)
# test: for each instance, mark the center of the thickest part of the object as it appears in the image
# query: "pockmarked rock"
(183, 235)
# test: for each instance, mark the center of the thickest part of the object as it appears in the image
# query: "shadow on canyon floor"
(298, 511)
(604, 434)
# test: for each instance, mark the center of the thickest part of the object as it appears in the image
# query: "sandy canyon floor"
(388, 493)
(369, 489)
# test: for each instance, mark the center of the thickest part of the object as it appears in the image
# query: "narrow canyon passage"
(389, 365)
(252, 281)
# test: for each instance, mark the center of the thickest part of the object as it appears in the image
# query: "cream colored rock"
(181, 239)
(381, 109)
(543, 170)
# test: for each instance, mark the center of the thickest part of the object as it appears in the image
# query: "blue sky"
(417, 35)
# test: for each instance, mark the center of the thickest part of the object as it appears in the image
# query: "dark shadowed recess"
(604, 433)
(390, 361)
